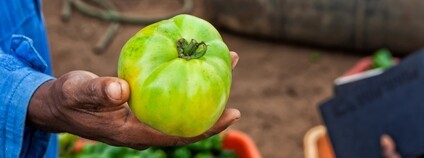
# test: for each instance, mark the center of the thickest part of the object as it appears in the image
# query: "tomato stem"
(192, 50)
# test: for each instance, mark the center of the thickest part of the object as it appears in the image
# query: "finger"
(140, 132)
(388, 147)
(228, 117)
(86, 88)
(105, 91)
(234, 59)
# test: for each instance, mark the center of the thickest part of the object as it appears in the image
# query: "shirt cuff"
(21, 73)
(15, 130)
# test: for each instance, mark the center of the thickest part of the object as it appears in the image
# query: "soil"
(276, 86)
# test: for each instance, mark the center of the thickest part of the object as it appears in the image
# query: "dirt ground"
(276, 86)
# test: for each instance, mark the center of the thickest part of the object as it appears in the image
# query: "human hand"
(93, 107)
(388, 147)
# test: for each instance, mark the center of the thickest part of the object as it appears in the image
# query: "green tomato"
(204, 155)
(87, 148)
(114, 151)
(181, 152)
(99, 148)
(227, 154)
(158, 154)
(216, 142)
(179, 72)
(204, 145)
(66, 143)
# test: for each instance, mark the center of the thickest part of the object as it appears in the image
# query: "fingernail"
(114, 91)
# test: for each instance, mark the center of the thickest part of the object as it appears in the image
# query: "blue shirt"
(24, 66)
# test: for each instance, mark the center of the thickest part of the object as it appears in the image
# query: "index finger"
(138, 135)
(234, 59)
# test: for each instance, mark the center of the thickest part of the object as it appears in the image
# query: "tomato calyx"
(192, 50)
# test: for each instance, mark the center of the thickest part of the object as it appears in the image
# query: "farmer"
(34, 104)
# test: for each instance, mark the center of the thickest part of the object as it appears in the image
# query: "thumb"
(106, 91)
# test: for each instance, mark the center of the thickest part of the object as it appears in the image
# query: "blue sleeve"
(22, 71)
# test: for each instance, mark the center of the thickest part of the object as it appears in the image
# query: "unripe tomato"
(179, 72)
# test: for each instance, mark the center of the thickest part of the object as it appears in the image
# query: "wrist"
(41, 109)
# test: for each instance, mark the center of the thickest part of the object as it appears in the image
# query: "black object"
(390, 103)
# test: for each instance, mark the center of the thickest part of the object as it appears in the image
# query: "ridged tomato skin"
(179, 96)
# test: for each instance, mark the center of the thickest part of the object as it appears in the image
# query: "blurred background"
(290, 52)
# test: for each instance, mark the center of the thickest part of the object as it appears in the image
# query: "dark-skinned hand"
(95, 108)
